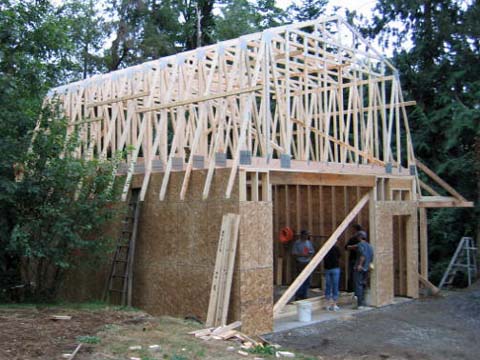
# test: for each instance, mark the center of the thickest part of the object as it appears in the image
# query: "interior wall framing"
(318, 209)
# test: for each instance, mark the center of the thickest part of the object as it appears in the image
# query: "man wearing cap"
(302, 251)
(362, 266)
(351, 247)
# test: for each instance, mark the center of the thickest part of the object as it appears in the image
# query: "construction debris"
(61, 317)
(76, 351)
(135, 347)
(248, 344)
(285, 354)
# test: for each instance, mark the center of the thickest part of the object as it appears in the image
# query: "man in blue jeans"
(332, 277)
(362, 266)
(302, 251)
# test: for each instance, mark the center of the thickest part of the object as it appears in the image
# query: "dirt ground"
(446, 327)
(28, 332)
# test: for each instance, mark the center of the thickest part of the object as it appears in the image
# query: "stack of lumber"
(219, 333)
(223, 273)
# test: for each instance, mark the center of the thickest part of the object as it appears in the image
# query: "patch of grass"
(88, 339)
(26, 305)
(111, 327)
(200, 353)
(262, 350)
(89, 306)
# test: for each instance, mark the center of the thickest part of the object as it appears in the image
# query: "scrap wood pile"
(247, 343)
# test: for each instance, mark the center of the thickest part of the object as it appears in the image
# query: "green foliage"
(34, 51)
(240, 17)
(440, 69)
(308, 9)
(263, 350)
(237, 18)
(88, 339)
(60, 206)
(87, 28)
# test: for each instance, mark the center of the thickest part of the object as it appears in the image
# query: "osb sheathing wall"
(176, 252)
(382, 277)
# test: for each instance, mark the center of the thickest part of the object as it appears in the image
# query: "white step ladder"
(464, 260)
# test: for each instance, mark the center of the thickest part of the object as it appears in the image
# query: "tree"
(61, 204)
(237, 18)
(242, 17)
(36, 54)
(126, 28)
(197, 22)
(308, 9)
(161, 32)
(440, 69)
(269, 15)
(87, 31)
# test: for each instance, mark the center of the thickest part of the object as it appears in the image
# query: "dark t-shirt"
(352, 259)
(331, 259)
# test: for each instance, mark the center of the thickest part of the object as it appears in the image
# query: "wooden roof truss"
(314, 91)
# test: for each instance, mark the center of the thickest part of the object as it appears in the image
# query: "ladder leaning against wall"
(120, 278)
(464, 260)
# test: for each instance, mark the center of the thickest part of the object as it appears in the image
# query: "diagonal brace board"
(439, 181)
(319, 256)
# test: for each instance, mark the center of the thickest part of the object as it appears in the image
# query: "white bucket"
(304, 311)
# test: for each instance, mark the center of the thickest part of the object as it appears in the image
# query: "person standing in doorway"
(351, 247)
(302, 251)
(332, 277)
(362, 267)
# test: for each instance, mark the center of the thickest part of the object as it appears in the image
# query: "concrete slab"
(346, 312)
(319, 315)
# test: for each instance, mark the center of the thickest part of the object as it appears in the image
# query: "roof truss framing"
(314, 91)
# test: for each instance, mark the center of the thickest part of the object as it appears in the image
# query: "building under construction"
(302, 126)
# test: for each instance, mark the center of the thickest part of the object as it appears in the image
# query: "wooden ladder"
(463, 260)
(120, 278)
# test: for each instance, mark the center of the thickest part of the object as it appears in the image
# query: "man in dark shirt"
(352, 255)
(362, 267)
(303, 252)
(332, 277)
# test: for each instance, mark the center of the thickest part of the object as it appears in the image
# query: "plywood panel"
(177, 245)
(384, 230)
(256, 267)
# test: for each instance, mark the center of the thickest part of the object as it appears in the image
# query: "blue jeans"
(302, 292)
(360, 279)
(332, 278)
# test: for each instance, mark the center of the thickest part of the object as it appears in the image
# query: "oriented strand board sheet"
(176, 248)
(255, 267)
(383, 275)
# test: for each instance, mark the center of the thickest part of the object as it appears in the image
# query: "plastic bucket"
(304, 311)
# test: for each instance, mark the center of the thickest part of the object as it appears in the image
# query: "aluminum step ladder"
(120, 278)
(464, 260)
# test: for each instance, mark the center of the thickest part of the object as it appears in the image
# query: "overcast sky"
(362, 6)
